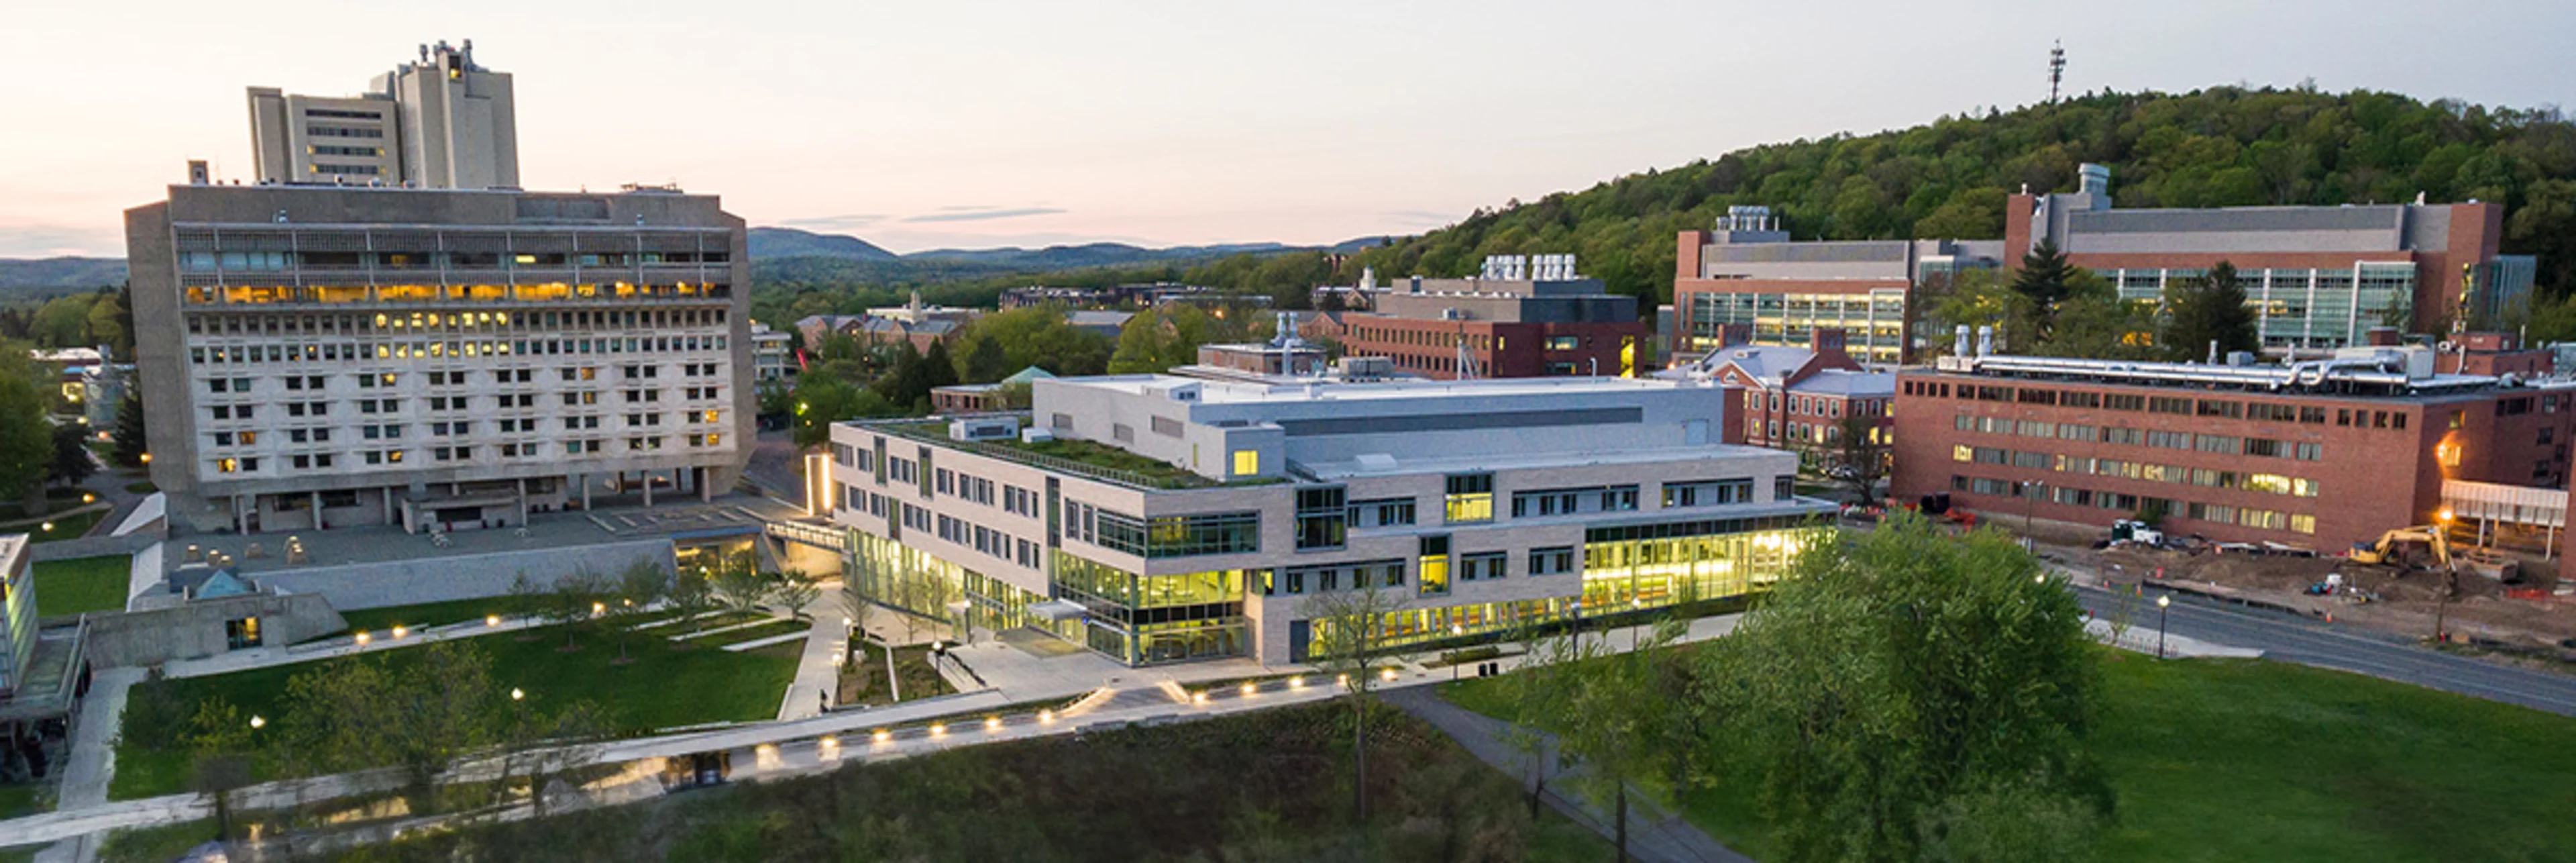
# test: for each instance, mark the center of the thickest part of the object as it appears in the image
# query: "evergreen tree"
(986, 362)
(938, 368)
(71, 464)
(2044, 281)
(2208, 308)
(130, 443)
(26, 439)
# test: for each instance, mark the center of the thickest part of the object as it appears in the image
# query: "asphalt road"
(2292, 638)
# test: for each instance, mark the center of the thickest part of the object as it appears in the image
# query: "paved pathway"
(2307, 641)
(1650, 838)
(818, 678)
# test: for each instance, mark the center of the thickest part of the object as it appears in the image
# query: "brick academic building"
(2317, 455)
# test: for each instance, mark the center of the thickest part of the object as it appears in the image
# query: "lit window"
(1247, 462)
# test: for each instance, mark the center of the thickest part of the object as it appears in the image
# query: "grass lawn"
(142, 486)
(865, 682)
(667, 685)
(66, 527)
(2229, 760)
(426, 614)
(156, 844)
(22, 800)
(82, 584)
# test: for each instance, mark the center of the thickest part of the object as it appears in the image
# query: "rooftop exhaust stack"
(2094, 180)
(1986, 341)
(1960, 347)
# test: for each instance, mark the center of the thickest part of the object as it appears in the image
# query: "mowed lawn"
(81, 584)
(2247, 760)
(666, 686)
(2252, 760)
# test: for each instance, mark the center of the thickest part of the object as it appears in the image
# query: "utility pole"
(2056, 68)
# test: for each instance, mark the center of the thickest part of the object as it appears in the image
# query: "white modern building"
(768, 353)
(443, 122)
(1156, 518)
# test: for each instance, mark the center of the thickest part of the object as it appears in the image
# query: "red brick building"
(2314, 455)
(1510, 325)
(1798, 398)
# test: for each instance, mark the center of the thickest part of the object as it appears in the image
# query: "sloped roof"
(1026, 375)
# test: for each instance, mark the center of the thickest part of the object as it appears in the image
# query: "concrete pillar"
(390, 516)
(522, 483)
(240, 523)
(648, 486)
(706, 493)
(585, 492)
(317, 509)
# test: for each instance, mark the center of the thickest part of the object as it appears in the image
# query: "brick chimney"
(1827, 341)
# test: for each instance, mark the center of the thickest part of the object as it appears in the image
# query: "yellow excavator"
(2391, 548)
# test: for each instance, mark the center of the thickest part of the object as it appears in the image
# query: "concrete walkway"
(92, 764)
(1665, 839)
(818, 678)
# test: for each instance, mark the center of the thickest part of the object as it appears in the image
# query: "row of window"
(545, 292)
(2211, 408)
(2178, 440)
(331, 352)
(535, 323)
(1817, 406)
(984, 540)
(274, 261)
(2252, 517)
(2269, 483)
(304, 461)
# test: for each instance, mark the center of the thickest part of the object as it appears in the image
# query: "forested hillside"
(2224, 146)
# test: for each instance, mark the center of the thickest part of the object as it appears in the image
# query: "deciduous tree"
(1349, 638)
(1892, 677)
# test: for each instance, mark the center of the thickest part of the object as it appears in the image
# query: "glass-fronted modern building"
(1158, 518)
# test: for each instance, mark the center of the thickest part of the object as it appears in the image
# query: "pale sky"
(955, 123)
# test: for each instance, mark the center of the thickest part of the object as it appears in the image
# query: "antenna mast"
(2056, 68)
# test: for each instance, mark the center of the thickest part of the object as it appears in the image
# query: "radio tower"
(2056, 68)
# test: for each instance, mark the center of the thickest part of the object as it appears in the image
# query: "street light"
(517, 694)
(1455, 630)
(2162, 603)
(257, 723)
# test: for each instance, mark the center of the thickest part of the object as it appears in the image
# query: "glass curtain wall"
(1148, 619)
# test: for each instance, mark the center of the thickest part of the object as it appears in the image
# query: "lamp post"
(2162, 603)
(1456, 630)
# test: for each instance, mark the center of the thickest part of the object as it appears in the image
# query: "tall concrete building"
(1748, 274)
(1156, 518)
(440, 359)
(442, 122)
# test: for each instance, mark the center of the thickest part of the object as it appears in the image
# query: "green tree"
(690, 597)
(740, 586)
(1895, 675)
(2044, 280)
(642, 584)
(2094, 323)
(1349, 640)
(1859, 457)
(1611, 713)
(985, 363)
(938, 368)
(130, 441)
(108, 325)
(63, 322)
(2205, 309)
(823, 399)
(575, 601)
(71, 464)
(26, 438)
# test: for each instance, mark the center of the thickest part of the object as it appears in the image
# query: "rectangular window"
(1432, 565)
(1470, 498)
(1481, 566)
(1323, 518)
(1551, 561)
(1247, 462)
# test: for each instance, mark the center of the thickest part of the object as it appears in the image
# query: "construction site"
(2484, 585)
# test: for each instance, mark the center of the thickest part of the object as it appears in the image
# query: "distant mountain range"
(45, 277)
(775, 243)
(805, 254)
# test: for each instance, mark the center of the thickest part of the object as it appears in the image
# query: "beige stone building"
(319, 356)
(443, 122)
